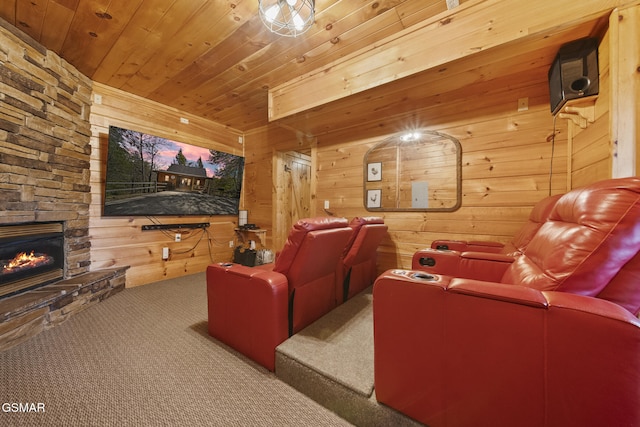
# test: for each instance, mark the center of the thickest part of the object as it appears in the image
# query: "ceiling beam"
(475, 26)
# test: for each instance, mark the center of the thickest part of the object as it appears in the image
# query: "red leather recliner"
(255, 309)
(537, 217)
(359, 262)
(552, 341)
(446, 256)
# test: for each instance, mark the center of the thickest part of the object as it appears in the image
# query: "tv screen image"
(148, 175)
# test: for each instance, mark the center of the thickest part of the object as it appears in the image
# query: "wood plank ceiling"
(215, 59)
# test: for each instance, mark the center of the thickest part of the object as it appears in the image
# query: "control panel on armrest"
(436, 261)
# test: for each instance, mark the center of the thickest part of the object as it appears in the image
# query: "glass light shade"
(242, 218)
(288, 18)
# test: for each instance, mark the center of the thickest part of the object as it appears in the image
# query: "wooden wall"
(603, 130)
(120, 241)
(506, 158)
(588, 129)
(510, 160)
(261, 169)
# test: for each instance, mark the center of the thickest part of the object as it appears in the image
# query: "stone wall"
(44, 142)
(44, 176)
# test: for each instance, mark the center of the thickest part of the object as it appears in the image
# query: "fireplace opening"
(31, 255)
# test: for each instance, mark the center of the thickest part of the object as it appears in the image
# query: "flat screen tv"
(147, 175)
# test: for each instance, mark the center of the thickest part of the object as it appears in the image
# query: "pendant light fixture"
(288, 18)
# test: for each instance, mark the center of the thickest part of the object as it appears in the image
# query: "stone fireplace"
(45, 179)
(44, 134)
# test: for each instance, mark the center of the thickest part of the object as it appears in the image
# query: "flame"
(23, 260)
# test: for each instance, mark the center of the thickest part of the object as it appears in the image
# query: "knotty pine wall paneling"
(120, 241)
(589, 135)
(506, 157)
(260, 192)
(510, 160)
(624, 60)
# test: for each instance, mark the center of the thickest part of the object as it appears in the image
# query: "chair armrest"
(471, 245)
(498, 291)
(248, 309)
(593, 345)
(437, 351)
(473, 265)
(544, 358)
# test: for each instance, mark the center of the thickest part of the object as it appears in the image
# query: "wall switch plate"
(184, 120)
(178, 237)
(326, 204)
(165, 253)
(230, 243)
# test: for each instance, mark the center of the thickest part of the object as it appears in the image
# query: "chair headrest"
(543, 208)
(356, 224)
(297, 234)
(320, 223)
(361, 220)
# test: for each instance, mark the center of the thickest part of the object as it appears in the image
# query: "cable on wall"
(553, 148)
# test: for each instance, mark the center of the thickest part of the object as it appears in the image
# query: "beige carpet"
(331, 361)
(340, 345)
(143, 358)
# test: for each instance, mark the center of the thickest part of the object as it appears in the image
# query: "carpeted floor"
(331, 361)
(143, 358)
(340, 345)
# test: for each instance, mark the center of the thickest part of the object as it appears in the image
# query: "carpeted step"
(331, 361)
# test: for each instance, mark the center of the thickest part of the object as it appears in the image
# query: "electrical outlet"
(178, 237)
(451, 4)
(326, 204)
(230, 243)
(523, 104)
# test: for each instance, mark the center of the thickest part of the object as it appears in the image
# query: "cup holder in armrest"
(427, 261)
(415, 275)
(420, 275)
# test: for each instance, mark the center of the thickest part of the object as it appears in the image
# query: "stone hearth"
(25, 315)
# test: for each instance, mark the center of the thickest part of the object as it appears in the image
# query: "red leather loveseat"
(551, 338)
(253, 310)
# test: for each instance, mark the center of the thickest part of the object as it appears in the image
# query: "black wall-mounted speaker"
(574, 72)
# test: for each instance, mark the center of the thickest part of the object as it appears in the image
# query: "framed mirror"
(416, 171)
